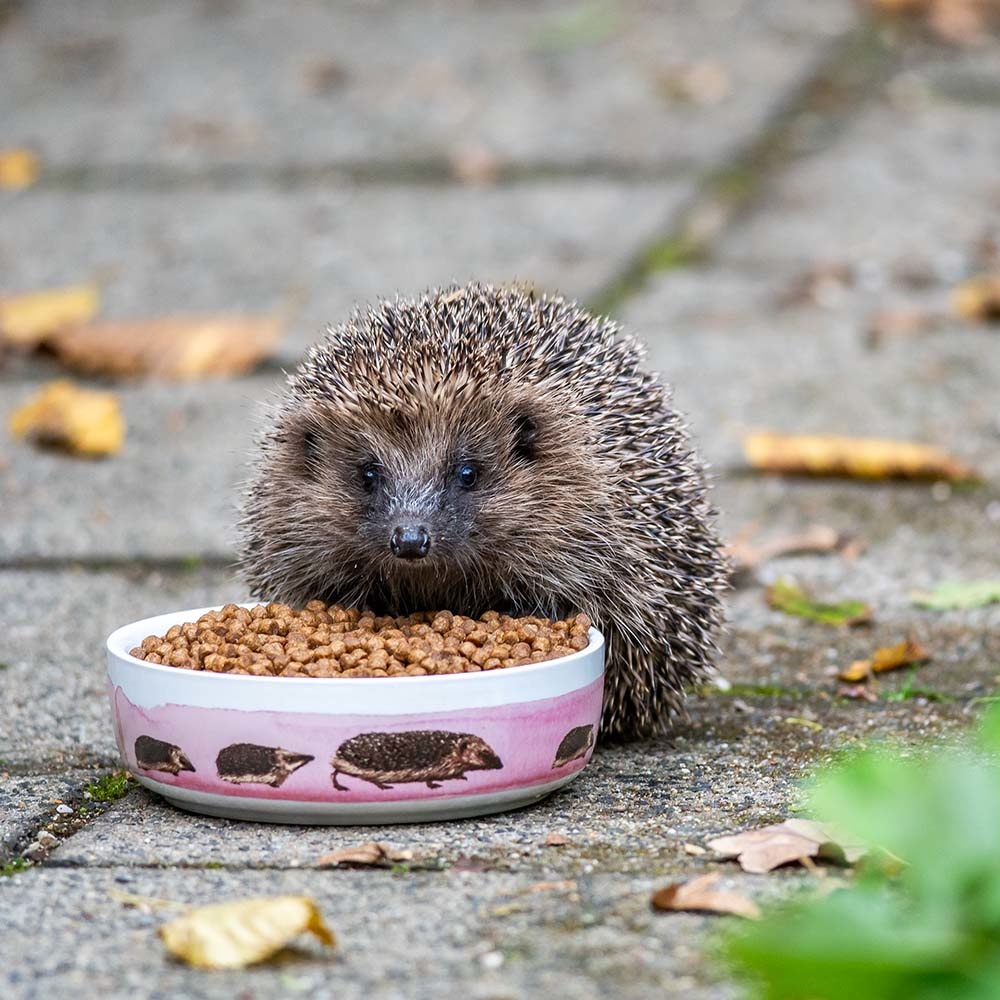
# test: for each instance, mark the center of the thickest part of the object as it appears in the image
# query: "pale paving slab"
(735, 361)
(739, 362)
(325, 250)
(29, 801)
(565, 83)
(421, 935)
(172, 491)
(911, 184)
(55, 625)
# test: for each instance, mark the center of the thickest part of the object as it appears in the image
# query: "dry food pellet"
(331, 641)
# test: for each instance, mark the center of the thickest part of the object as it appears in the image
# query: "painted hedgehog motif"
(429, 756)
(252, 764)
(574, 745)
(157, 755)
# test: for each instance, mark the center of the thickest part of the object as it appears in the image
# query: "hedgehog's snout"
(410, 541)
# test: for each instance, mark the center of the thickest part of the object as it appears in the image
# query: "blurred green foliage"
(922, 919)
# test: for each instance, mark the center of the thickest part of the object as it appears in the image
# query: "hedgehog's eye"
(370, 476)
(467, 475)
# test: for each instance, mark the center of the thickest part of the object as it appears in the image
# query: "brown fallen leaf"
(904, 322)
(746, 557)
(237, 934)
(861, 458)
(62, 414)
(368, 853)
(556, 840)
(26, 320)
(978, 299)
(474, 164)
(698, 895)
(565, 885)
(769, 847)
(19, 168)
(704, 83)
(887, 658)
(960, 22)
(823, 284)
(173, 347)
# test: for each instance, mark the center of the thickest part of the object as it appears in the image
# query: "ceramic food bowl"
(352, 750)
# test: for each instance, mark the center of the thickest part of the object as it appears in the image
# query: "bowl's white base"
(352, 813)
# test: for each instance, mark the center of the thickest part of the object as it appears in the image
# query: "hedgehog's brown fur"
(589, 497)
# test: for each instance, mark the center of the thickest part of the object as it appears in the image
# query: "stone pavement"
(228, 154)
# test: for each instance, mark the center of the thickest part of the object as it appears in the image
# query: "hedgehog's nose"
(410, 542)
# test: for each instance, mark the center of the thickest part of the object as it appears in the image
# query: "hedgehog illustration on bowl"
(429, 756)
(157, 755)
(253, 764)
(574, 746)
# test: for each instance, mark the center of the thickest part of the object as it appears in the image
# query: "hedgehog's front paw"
(433, 784)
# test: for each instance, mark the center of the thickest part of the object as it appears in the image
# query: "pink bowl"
(352, 750)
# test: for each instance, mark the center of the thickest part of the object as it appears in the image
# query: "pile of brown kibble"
(322, 640)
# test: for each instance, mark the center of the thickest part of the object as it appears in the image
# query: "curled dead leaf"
(172, 347)
(566, 885)
(243, 932)
(769, 847)
(746, 557)
(859, 458)
(19, 168)
(27, 319)
(886, 658)
(65, 415)
(368, 853)
(700, 896)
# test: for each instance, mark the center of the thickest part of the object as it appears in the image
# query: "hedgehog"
(152, 754)
(574, 746)
(482, 448)
(428, 756)
(252, 764)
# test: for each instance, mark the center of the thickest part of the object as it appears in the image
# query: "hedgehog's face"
(477, 755)
(412, 495)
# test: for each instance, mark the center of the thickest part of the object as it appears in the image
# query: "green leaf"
(974, 594)
(784, 595)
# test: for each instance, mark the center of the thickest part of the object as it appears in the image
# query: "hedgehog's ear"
(526, 434)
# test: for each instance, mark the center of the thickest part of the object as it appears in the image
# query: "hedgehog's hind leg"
(337, 784)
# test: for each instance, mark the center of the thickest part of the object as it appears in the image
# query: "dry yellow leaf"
(233, 935)
(886, 658)
(26, 320)
(861, 458)
(698, 895)
(84, 421)
(19, 168)
(174, 347)
(978, 299)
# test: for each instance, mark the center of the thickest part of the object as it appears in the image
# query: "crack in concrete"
(854, 69)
